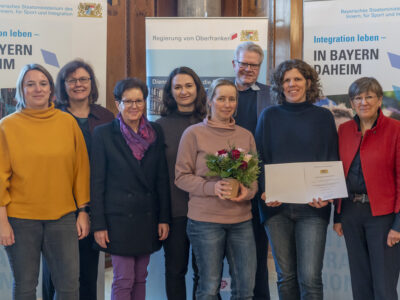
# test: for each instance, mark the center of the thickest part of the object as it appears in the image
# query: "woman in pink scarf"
(130, 190)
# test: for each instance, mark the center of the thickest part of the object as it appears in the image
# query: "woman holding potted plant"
(219, 223)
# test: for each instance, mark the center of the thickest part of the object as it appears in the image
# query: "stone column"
(199, 8)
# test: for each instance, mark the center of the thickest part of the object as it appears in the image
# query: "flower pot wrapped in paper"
(235, 166)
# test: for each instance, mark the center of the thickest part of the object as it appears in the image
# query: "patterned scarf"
(138, 142)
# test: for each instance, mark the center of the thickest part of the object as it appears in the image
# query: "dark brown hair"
(313, 92)
(71, 67)
(169, 103)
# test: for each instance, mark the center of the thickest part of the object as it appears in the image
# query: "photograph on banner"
(206, 45)
(346, 40)
(51, 34)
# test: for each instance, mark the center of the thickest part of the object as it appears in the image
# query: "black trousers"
(261, 288)
(88, 264)
(176, 251)
(374, 266)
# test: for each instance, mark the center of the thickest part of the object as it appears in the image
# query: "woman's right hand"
(222, 189)
(101, 238)
(271, 203)
(6, 234)
(337, 227)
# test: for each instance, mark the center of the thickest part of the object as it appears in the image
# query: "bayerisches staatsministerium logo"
(249, 35)
(90, 10)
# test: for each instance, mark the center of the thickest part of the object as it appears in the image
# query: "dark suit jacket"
(263, 98)
(129, 198)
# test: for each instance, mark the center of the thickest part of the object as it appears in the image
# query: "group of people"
(147, 186)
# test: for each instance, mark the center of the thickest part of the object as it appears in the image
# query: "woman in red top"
(369, 146)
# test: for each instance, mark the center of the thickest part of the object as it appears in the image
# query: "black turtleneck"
(173, 126)
(296, 132)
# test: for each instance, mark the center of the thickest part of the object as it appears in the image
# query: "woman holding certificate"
(369, 146)
(295, 130)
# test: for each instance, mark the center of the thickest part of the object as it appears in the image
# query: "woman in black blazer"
(129, 190)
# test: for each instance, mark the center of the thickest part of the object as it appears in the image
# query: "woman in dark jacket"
(369, 146)
(129, 190)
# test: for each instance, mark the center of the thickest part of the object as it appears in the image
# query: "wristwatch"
(85, 209)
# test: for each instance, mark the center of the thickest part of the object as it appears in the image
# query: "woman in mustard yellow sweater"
(44, 177)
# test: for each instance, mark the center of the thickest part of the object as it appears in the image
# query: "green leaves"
(234, 163)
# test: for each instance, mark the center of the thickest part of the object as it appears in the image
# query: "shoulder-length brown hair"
(313, 91)
(72, 66)
(169, 103)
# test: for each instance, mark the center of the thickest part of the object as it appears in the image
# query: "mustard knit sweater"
(44, 166)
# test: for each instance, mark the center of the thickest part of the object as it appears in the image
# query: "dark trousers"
(261, 288)
(374, 266)
(88, 266)
(176, 250)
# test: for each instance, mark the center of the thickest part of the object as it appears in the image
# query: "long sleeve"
(98, 169)
(333, 152)
(81, 186)
(44, 168)
(185, 168)
(261, 138)
(254, 186)
(396, 223)
(163, 187)
(5, 170)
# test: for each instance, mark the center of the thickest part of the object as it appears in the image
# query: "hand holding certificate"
(303, 182)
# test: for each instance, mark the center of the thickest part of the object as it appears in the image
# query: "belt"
(362, 198)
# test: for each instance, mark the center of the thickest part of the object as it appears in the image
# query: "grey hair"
(249, 46)
(364, 85)
(19, 93)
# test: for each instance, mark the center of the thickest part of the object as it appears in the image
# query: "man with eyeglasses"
(253, 98)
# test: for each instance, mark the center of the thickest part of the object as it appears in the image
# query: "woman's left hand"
(393, 238)
(319, 203)
(82, 225)
(243, 193)
(163, 230)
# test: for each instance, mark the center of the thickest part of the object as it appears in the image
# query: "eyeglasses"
(82, 80)
(244, 65)
(368, 99)
(130, 103)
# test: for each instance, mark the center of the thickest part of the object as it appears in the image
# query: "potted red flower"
(234, 165)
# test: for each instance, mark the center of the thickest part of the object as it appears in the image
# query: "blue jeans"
(211, 242)
(58, 242)
(297, 236)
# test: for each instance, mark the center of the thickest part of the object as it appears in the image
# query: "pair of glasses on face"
(368, 99)
(244, 65)
(82, 80)
(130, 103)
